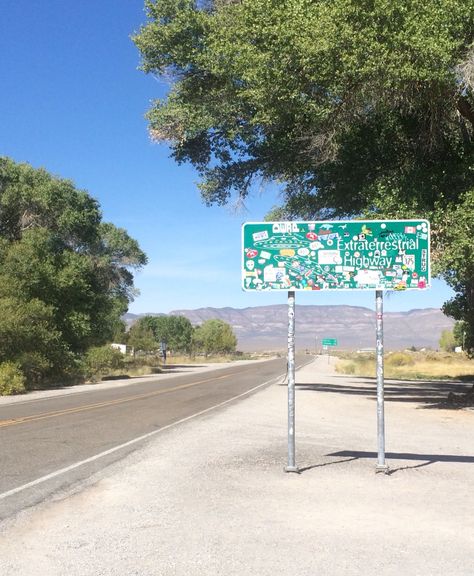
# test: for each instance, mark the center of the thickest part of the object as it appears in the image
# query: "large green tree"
(65, 276)
(356, 107)
(141, 338)
(176, 331)
(214, 337)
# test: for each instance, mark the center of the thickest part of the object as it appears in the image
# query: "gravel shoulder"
(210, 496)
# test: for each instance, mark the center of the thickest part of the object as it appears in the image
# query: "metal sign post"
(372, 255)
(163, 348)
(291, 384)
(381, 465)
(327, 343)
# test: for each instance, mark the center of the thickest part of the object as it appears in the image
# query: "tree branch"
(464, 108)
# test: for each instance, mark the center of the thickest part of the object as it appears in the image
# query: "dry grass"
(409, 365)
(148, 365)
(215, 359)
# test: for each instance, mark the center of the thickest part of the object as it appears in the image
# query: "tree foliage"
(12, 379)
(296, 90)
(447, 341)
(65, 276)
(214, 337)
(141, 337)
(460, 333)
(456, 262)
(354, 106)
(101, 360)
(176, 331)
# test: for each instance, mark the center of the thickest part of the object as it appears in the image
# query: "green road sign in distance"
(337, 255)
(329, 342)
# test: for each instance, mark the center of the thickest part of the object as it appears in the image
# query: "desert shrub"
(399, 359)
(359, 366)
(101, 360)
(35, 366)
(343, 354)
(441, 357)
(366, 357)
(139, 360)
(12, 379)
(346, 368)
(433, 356)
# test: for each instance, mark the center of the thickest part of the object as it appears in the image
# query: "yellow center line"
(44, 415)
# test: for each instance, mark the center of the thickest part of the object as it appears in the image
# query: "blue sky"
(73, 102)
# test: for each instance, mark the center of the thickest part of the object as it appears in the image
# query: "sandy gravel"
(209, 497)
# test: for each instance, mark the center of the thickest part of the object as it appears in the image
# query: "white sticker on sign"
(260, 236)
(329, 257)
(364, 277)
(409, 261)
(272, 274)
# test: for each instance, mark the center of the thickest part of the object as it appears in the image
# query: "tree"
(141, 338)
(354, 107)
(176, 331)
(214, 337)
(456, 263)
(446, 341)
(65, 276)
(291, 90)
(30, 337)
(460, 334)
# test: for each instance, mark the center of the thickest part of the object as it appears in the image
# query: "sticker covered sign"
(337, 255)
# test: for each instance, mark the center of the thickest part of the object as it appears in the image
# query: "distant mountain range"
(266, 327)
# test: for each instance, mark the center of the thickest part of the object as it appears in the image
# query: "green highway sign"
(337, 255)
(329, 342)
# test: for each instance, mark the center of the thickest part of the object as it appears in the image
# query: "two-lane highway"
(48, 444)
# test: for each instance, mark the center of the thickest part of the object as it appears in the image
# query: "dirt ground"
(211, 497)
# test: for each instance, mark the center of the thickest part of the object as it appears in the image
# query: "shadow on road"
(178, 368)
(305, 468)
(431, 394)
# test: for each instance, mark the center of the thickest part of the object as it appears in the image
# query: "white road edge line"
(129, 443)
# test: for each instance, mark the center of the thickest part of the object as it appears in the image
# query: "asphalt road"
(48, 444)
